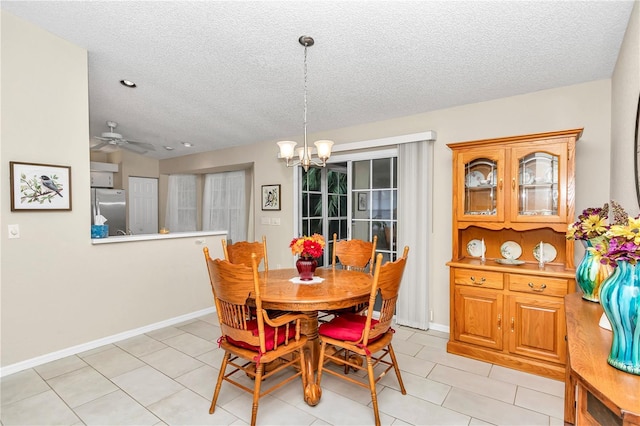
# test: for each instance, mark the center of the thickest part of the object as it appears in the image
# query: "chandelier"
(323, 147)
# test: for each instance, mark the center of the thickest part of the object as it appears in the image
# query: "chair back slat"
(354, 254)
(240, 252)
(386, 281)
(232, 285)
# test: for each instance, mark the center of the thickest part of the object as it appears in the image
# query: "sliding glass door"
(355, 198)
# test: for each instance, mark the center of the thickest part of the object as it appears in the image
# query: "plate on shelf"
(510, 250)
(510, 261)
(474, 179)
(549, 252)
(492, 177)
(474, 248)
(551, 175)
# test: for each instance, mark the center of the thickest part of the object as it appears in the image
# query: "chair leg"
(303, 370)
(397, 369)
(223, 368)
(256, 392)
(372, 388)
(323, 346)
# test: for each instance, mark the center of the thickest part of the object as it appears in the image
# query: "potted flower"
(307, 249)
(590, 228)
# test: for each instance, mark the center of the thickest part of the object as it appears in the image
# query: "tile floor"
(168, 376)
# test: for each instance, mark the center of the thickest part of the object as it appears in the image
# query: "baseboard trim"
(43, 359)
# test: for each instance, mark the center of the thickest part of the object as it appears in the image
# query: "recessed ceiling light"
(128, 83)
(187, 144)
(169, 148)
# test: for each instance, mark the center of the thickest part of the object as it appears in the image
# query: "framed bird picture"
(38, 187)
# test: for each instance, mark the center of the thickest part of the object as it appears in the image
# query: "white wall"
(625, 89)
(59, 290)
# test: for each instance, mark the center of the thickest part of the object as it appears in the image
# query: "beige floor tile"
(428, 340)
(418, 386)
(141, 345)
(336, 409)
(406, 347)
(203, 382)
(164, 333)
(402, 333)
(147, 385)
(541, 402)
(81, 386)
(202, 329)
(60, 366)
(212, 358)
(113, 362)
(492, 388)
(171, 362)
(45, 408)
(440, 356)
(349, 390)
(491, 410)
(478, 422)
(21, 385)
(188, 408)
(419, 367)
(531, 381)
(190, 344)
(271, 411)
(417, 411)
(116, 408)
(95, 350)
(211, 318)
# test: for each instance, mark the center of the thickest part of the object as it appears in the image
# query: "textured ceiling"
(228, 73)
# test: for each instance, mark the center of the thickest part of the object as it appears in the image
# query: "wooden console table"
(605, 395)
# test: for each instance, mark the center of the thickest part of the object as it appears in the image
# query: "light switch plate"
(265, 221)
(14, 231)
(275, 221)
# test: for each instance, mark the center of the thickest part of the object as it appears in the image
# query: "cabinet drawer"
(477, 278)
(537, 285)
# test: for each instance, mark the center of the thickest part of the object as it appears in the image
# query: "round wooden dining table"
(339, 289)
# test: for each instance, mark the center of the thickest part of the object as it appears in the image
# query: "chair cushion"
(347, 327)
(269, 332)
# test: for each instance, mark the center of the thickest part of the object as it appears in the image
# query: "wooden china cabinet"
(513, 199)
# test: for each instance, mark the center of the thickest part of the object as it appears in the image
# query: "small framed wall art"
(270, 197)
(39, 187)
(362, 201)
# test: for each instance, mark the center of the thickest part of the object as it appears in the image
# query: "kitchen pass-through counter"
(151, 237)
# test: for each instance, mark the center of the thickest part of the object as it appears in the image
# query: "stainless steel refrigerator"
(112, 204)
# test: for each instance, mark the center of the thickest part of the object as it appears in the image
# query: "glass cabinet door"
(537, 183)
(481, 186)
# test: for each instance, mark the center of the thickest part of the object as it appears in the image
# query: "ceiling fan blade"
(101, 138)
(145, 145)
(99, 146)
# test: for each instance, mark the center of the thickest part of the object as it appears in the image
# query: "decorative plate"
(474, 248)
(474, 179)
(548, 252)
(492, 177)
(551, 175)
(510, 250)
(510, 261)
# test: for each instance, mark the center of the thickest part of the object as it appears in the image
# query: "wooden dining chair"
(249, 344)
(241, 251)
(352, 334)
(354, 254)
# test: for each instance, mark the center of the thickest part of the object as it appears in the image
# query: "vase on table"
(306, 267)
(591, 273)
(620, 299)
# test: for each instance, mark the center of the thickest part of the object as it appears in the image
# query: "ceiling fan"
(111, 138)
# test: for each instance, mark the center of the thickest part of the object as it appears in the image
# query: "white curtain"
(224, 204)
(414, 230)
(181, 214)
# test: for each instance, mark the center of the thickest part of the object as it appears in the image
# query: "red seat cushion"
(347, 327)
(269, 332)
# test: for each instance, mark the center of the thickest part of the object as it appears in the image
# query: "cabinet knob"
(473, 280)
(500, 184)
(513, 324)
(499, 321)
(540, 289)
(513, 184)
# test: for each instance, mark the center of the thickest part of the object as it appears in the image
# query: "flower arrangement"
(304, 246)
(619, 240)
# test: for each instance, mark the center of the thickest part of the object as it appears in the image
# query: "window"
(181, 203)
(224, 204)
